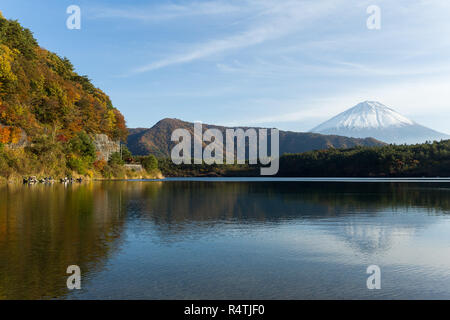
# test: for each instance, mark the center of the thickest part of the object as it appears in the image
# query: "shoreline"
(160, 177)
(306, 179)
(16, 179)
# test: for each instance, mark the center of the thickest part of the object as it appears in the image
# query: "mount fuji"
(373, 119)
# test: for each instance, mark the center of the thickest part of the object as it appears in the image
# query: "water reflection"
(188, 207)
(43, 229)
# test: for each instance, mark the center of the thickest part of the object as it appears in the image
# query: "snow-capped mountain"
(373, 119)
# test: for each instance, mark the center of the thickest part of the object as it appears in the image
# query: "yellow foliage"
(18, 110)
(90, 173)
(39, 89)
(16, 133)
(6, 58)
(110, 119)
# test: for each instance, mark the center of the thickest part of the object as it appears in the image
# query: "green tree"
(82, 145)
(150, 163)
(126, 154)
(115, 159)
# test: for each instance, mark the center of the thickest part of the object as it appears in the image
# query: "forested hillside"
(157, 140)
(48, 108)
(41, 93)
(420, 160)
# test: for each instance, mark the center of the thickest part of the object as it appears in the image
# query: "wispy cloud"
(245, 39)
(275, 19)
(284, 67)
(412, 98)
(270, 20)
(158, 13)
(289, 61)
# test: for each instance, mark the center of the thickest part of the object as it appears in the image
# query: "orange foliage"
(47, 92)
(100, 164)
(4, 134)
(10, 134)
(61, 137)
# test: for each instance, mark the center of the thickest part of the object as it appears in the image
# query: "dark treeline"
(420, 160)
(428, 160)
(169, 169)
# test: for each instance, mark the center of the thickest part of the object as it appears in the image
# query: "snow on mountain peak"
(373, 119)
(366, 115)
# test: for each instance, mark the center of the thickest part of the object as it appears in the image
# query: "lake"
(227, 239)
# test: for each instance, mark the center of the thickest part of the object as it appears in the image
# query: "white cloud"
(247, 38)
(159, 13)
(271, 19)
(285, 67)
(426, 101)
(304, 60)
(276, 19)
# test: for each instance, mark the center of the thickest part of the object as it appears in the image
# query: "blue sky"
(290, 64)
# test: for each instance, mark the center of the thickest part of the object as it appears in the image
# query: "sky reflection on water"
(218, 240)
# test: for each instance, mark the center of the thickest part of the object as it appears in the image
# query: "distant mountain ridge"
(373, 119)
(156, 140)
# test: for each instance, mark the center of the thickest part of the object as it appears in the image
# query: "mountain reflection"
(171, 203)
(185, 209)
(44, 229)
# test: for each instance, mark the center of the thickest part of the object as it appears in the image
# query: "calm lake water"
(226, 239)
